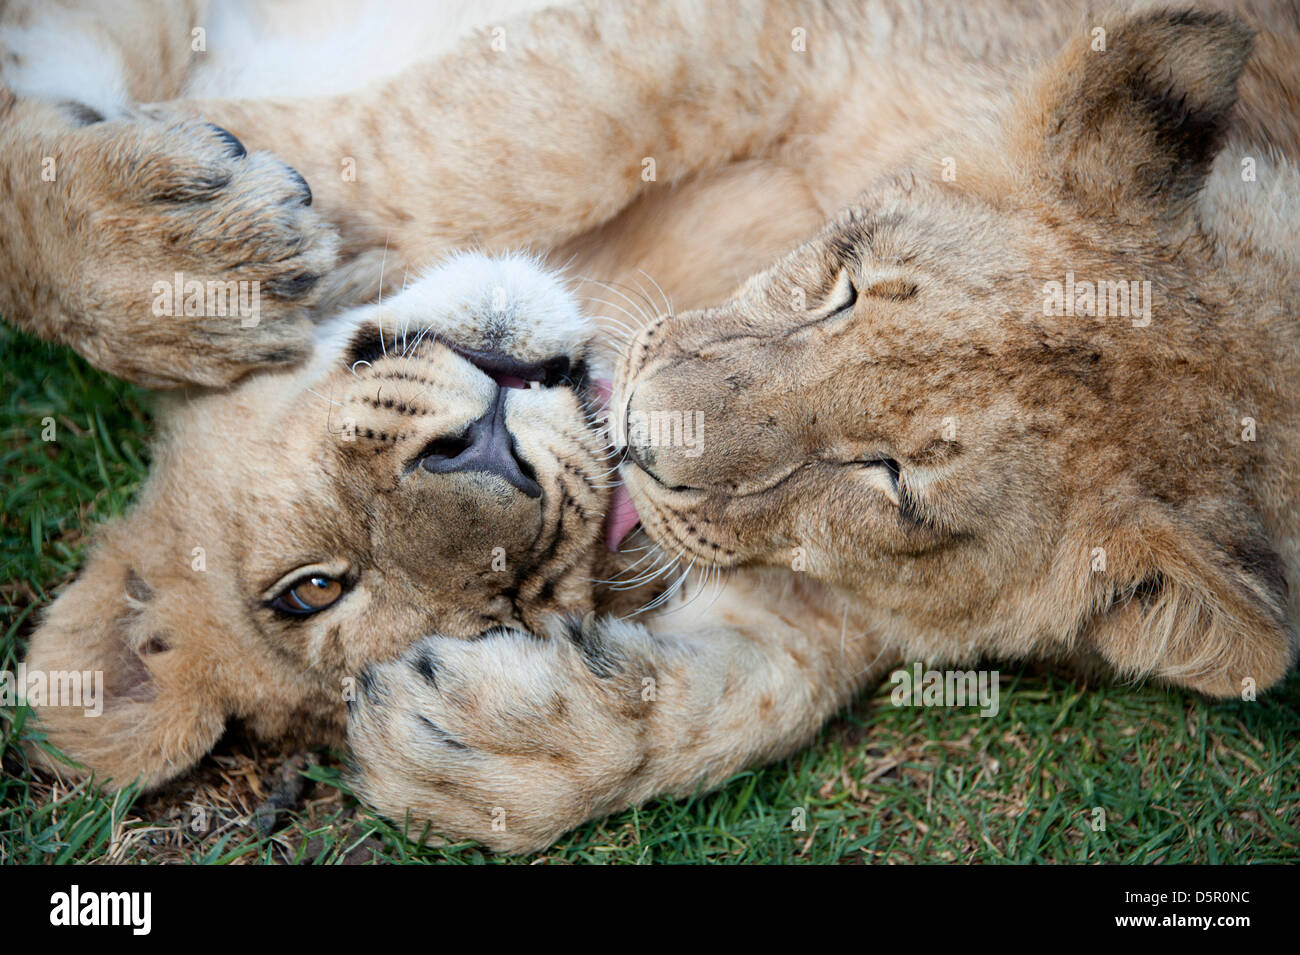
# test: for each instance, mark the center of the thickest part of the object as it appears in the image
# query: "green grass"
(1179, 779)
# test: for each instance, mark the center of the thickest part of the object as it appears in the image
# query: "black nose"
(488, 446)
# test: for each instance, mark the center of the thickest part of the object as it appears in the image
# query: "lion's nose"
(698, 424)
(487, 445)
(666, 443)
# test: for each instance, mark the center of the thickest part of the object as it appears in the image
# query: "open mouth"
(510, 372)
(487, 444)
(507, 371)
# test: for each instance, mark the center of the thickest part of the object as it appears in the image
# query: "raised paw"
(168, 254)
(509, 739)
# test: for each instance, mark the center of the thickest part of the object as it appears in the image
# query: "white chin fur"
(510, 303)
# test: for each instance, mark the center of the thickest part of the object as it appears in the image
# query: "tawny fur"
(1087, 484)
(1069, 435)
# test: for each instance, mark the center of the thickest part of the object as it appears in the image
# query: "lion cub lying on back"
(440, 466)
(975, 471)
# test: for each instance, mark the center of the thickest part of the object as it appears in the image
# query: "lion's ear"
(1199, 602)
(1130, 117)
(115, 689)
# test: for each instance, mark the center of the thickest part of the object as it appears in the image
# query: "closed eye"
(843, 295)
(882, 474)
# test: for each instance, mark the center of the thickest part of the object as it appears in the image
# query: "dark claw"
(235, 148)
(302, 182)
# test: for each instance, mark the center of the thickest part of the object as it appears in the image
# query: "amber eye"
(309, 595)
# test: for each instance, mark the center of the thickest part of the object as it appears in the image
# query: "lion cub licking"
(984, 469)
(421, 509)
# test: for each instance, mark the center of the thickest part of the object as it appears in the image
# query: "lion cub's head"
(437, 469)
(1032, 405)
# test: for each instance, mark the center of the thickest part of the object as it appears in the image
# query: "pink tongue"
(622, 512)
(622, 518)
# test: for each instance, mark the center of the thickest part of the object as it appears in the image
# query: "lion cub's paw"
(509, 739)
(185, 258)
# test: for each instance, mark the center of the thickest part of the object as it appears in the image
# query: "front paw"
(173, 256)
(509, 739)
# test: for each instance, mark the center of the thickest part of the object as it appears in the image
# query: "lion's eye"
(309, 595)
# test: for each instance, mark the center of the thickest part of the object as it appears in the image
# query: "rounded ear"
(1129, 118)
(1206, 609)
(107, 683)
